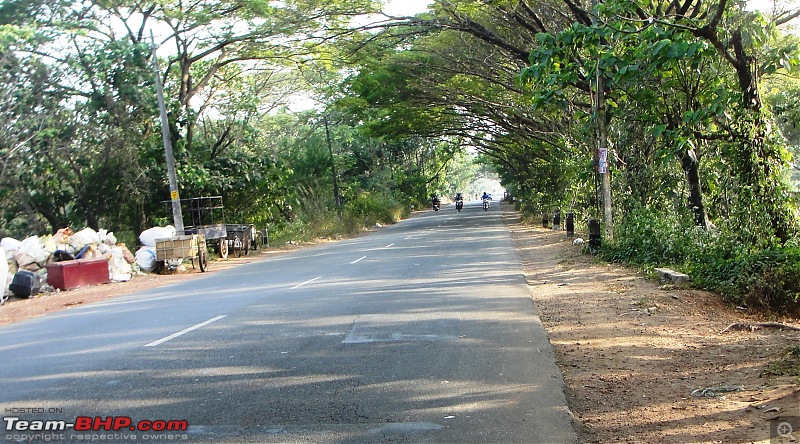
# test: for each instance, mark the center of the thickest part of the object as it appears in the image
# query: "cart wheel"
(202, 259)
(222, 248)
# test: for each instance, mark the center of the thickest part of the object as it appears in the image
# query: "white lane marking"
(389, 246)
(184, 331)
(409, 237)
(305, 283)
(358, 260)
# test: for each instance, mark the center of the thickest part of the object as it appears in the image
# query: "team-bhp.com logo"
(95, 424)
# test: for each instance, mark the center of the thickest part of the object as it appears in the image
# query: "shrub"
(771, 279)
(644, 237)
(716, 260)
(367, 209)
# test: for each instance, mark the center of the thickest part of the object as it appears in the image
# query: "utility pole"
(601, 132)
(336, 198)
(177, 216)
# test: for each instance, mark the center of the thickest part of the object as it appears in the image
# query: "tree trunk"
(691, 169)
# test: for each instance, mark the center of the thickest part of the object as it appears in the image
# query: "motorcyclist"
(485, 196)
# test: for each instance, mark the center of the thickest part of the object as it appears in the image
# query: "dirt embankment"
(650, 363)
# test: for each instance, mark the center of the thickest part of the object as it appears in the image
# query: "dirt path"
(633, 353)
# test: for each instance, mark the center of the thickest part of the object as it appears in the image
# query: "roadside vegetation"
(697, 102)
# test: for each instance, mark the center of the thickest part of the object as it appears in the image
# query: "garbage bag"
(107, 237)
(149, 236)
(146, 258)
(10, 245)
(3, 275)
(62, 235)
(86, 236)
(23, 259)
(118, 268)
(49, 243)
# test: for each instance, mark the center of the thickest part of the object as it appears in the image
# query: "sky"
(406, 7)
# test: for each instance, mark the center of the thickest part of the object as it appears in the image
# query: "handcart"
(207, 215)
(240, 238)
(179, 247)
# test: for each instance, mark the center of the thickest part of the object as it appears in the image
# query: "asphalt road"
(421, 332)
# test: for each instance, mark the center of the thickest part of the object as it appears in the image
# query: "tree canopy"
(696, 101)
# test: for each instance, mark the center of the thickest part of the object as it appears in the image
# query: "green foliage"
(368, 209)
(765, 279)
(645, 237)
(771, 279)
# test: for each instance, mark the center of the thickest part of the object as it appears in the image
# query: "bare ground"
(632, 351)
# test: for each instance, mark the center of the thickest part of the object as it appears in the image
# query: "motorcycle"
(459, 202)
(485, 204)
(436, 203)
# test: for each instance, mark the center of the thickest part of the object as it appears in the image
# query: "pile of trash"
(36, 252)
(146, 255)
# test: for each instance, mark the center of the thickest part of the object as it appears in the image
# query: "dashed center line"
(184, 331)
(358, 260)
(306, 283)
(389, 246)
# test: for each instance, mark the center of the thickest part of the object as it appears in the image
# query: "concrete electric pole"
(174, 196)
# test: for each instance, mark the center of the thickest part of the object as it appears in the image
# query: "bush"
(367, 209)
(766, 279)
(643, 237)
(771, 279)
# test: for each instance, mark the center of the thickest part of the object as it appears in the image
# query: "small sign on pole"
(602, 163)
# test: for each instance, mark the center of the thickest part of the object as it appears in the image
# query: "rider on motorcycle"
(435, 202)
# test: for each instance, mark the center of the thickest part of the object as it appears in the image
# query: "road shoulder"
(633, 352)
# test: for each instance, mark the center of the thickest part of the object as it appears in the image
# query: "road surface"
(423, 332)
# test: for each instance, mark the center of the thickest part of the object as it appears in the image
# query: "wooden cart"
(206, 216)
(189, 246)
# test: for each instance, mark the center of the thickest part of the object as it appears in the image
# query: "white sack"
(30, 245)
(49, 243)
(149, 236)
(107, 237)
(3, 273)
(23, 259)
(118, 268)
(10, 245)
(146, 258)
(84, 237)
